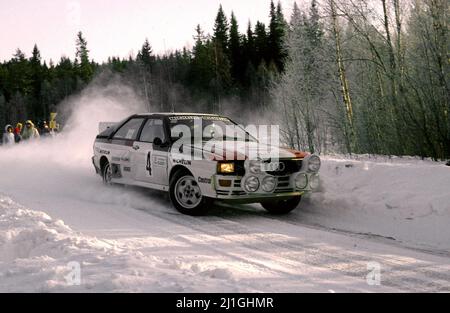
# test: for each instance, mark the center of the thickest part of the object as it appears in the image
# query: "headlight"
(301, 181)
(313, 163)
(255, 166)
(225, 168)
(251, 184)
(269, 183)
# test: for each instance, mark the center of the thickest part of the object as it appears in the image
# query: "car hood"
(240, 150)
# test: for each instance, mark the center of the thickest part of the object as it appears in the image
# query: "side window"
(153, 128)
(129, 130)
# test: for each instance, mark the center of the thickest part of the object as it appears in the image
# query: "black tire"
(107, 174)
(281, 206)
(187, 201)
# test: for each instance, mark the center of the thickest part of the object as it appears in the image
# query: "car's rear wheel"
(281, 206)
(107, 174)
(186, 196)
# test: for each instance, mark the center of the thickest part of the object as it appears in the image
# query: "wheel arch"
(178, 168)
(103, 161)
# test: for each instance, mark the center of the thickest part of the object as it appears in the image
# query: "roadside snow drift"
(39, 254)
(406, 199)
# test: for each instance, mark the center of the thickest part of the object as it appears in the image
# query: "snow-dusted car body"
(148, 150)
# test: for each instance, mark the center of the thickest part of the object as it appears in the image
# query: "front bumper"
(285, 188)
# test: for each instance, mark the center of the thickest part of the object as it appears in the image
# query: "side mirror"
(157, 142)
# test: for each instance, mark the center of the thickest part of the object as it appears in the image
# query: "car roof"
(175, 114)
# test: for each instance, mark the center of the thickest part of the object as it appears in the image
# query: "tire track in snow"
(397, 274)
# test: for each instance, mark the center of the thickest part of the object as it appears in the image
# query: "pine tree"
(277, 30)
(296, 16)
(146, 54)
(19, 75)
(37, 109)
(3, 113)
(221, 28)
(248, 59)
(85, 69)
(146, 61)
(201, 71)
(222, 67)
(249, 46)
(235, 48)
(261, 44)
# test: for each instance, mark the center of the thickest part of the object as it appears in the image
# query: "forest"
(344, 76)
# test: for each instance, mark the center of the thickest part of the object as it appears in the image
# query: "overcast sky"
(113, 27)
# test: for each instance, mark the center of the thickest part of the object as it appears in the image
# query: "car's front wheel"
(186, 196)
(281, 206)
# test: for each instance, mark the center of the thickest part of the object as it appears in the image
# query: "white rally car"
(197, 162)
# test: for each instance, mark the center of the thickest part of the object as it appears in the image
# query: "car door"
(151, 161)
(121, 149)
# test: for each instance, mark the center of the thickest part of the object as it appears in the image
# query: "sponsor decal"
(182, 161)
(159, 161)
(193, 117)
(119, 159)
(204, 180)
(104, 152)
(127, 169)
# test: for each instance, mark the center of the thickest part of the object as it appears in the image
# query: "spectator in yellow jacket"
(30, 132)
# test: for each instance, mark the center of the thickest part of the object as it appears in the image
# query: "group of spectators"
(13, 135)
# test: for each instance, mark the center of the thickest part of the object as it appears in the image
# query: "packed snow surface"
(406, 199)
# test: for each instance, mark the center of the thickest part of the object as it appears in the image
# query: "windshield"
(207, 127)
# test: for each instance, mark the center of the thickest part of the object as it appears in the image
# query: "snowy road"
(235, 248)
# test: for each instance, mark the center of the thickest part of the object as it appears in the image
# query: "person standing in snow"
(45, 130)
(30, 132)
(8, 136)
(17, 131)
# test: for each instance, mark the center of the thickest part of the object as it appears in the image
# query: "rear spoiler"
(102, 126)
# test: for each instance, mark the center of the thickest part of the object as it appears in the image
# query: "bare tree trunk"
(343, 79)
(438, 12)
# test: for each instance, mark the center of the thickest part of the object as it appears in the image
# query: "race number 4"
(149, 163)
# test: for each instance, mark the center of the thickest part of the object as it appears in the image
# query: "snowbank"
(405, 199)
(39, 254)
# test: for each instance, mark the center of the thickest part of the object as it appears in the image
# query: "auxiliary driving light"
(269, 183)
(301, 181)
(313, 163)
(251, 184)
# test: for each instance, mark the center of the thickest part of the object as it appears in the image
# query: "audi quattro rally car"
(192, 157)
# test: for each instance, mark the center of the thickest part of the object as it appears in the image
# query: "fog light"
(301, 181)
(314, 181)
(269, 183)
(314, 163)
(251, 184)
